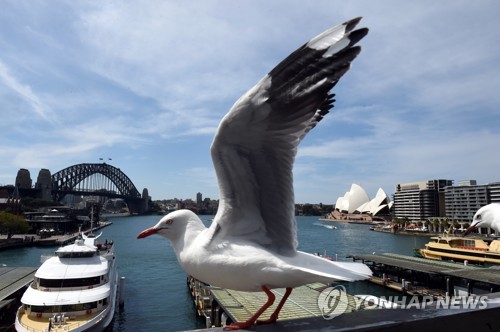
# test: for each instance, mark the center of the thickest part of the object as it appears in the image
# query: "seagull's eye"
(478, 217)
(169, 221)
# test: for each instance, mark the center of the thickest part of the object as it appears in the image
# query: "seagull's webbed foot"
(253, 319)
(237, 326)
(274, 315)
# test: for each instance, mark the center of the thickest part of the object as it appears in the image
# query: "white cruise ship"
(75, 290)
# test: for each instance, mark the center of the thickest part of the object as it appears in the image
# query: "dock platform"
(414, 275)
(12, 279)
(222, 306)
(487, 275)
(13, 282)
(302, 303)
(392, 320)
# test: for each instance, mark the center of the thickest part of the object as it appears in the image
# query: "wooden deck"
(302, 303)
(42, 323)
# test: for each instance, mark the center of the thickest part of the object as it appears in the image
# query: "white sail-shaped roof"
(353, 199)
(357, 200)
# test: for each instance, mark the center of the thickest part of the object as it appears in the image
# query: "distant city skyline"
(199, 196)
(146, 84)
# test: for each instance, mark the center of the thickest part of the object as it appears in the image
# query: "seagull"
(486, 216)
(251, 244)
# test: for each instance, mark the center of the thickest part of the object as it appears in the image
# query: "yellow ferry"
(460, 249)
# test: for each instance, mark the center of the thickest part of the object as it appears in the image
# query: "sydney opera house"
(356, 205)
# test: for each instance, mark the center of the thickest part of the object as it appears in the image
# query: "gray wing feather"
(255, 145)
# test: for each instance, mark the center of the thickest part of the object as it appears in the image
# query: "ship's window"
(71, 307)
(60, 283)
(91, 305)
(63, 254)
(38, 308)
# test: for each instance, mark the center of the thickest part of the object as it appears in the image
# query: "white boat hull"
(98, 323)
(59, 299)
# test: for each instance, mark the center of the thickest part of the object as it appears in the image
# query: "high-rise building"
(494, 192)
(467, 183)
(464, 200)
(420, 200)
(199, 199)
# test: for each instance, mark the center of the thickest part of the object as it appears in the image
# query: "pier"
(221, 307)
(13, 283)
(409, 275)
(28, 240)
(393, 320)
(303, 313)
(415, 275)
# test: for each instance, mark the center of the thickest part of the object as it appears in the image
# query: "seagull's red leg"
(251, 320)
(276, 312)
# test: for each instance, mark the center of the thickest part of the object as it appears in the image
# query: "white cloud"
(81, 79)
(26, 94)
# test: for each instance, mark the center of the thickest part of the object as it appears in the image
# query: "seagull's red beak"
(470, 229)
(147, 232)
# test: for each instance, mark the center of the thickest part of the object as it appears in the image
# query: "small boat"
(74, 290)
(326, 226)
(421, 229)
(460, 249)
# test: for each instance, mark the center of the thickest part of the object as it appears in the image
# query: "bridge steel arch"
(66, 181)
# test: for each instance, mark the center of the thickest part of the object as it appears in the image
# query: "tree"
(427, 224)
(445, 224)
(406, 222)
(11, 224)
(435, 223)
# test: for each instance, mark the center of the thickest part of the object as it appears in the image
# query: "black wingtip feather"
(351, 24)
(357, 35)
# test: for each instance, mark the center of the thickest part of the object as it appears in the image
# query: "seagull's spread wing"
(255, 146)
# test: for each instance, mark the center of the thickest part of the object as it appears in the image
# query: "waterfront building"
(12, 205)
(420, 200)
(439, 199)
(494, 192)
(58, 220)
(464, 200)
(467, 183)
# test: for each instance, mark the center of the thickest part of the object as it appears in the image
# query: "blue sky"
(146, 83)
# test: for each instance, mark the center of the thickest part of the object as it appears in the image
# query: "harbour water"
(156, 296)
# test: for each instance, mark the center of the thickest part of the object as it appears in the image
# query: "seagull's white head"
(174, 225)
(487, 216)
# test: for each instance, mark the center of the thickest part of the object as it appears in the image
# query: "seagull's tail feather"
(331, 270)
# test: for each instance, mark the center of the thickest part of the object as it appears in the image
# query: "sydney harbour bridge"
(99, 179)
